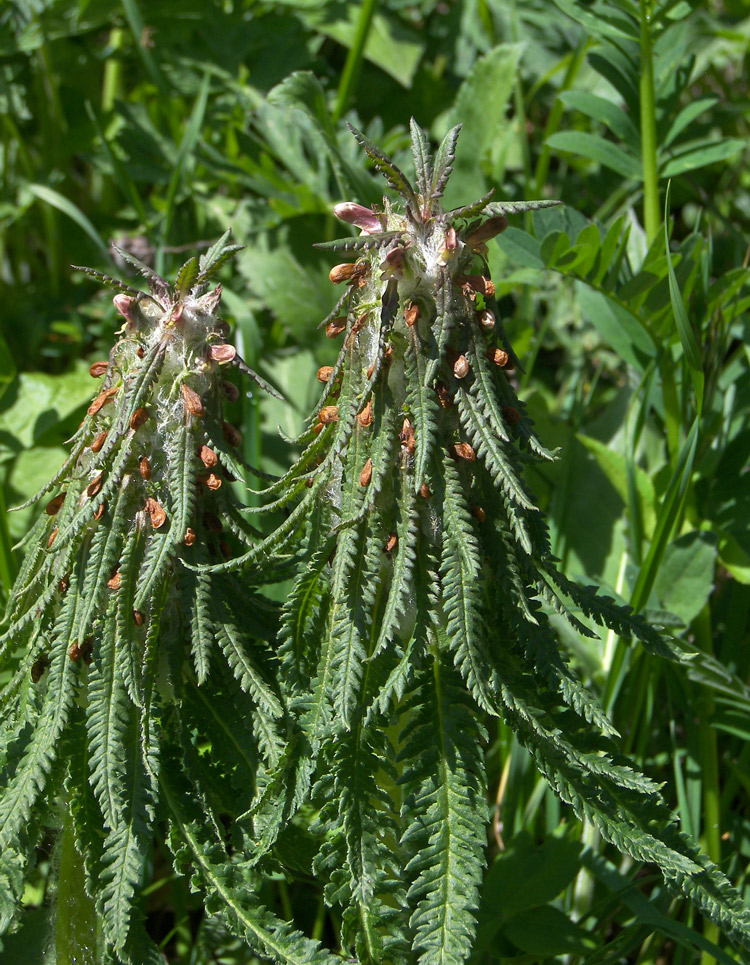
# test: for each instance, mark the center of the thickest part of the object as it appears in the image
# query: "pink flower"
(358, 215)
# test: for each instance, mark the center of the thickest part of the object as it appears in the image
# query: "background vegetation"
(159, 126)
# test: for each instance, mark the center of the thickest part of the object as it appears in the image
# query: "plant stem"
(354, 59)
(75, 925)
(555, 116)
(709, 758)
(651, 207)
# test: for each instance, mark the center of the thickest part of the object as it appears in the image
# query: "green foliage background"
(159, 126)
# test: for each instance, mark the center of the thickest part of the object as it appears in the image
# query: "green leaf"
(619, 327)
(7, 366)
(687, 336)
(606, 112)
(686, 117)
(59, 201)
(615, 466)
(700, 155)
(685, 578)
(485, 93)
(597, 149)
(547, 931)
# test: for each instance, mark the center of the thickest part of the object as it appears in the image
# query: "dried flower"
(328, 414)
(498, 356)
(98, 369)
(324, 373)
(461, 367)
(336, 327)
(344, 272)
(366, 475)
(208, 457)
(53, 506)
(144, 467)
(192, 401)
(98, 442)
(156, 512)
(462, 450)
(223, 353)
(139, 418)
(102, 399)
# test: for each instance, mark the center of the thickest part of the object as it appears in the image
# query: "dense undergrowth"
(627, 350)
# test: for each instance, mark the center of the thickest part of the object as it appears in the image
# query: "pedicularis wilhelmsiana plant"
(419, 610)
(112, 636)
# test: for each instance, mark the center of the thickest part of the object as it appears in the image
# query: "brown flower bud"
(98, 442)
(471, 284)
(52, 536)
(192, 401)
(486, 319)
(208, 457)
(444, 397)
(461, 367)
(490, 228)
(97, 369)
(75, 652)
(101, 510)
(390, 546)
(370, 370)
(328, 414)
(407, 437)
(140, 351)
(511, 415)
(95, 485)
(317, 428)
(478, 513)
(211, 480)
(156, 512)
(462, 450)
(225, 549)
(324, 373)
(341, 273)
(230, 390)
(498, 356)
(53, 506)
(102, 399)
(139, 417)
(309, 482)
(114, 583)
(138, 618)
(365, 416)
(144, 467)
(366, 475)
(62, 586)
(189, 537)
(222, 353)
(411, 315)
(336, 326)
(87, 649)
(451, 241)
(424, 491)
(232, 435)
(212, 522)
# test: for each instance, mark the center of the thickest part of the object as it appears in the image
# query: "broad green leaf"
(548, 931)
(686, 574)
(601, 20)
(480, 108)
(59, 201)
(619, 327)
(734, 558)
(390, 45)
(521, 247)
(606, 112)
(614, 465)
(597, 149)
(43, 401)
(707, 152)
(686, 117)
